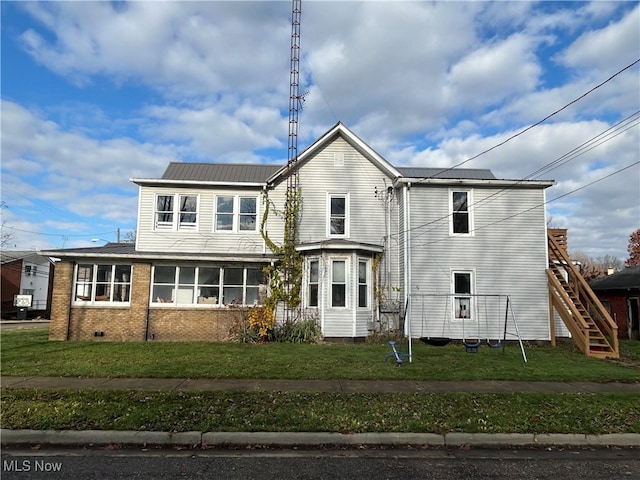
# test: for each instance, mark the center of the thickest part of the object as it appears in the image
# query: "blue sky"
(95, 93)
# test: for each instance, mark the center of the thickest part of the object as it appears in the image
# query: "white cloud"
(424, 83)
(606, 49)
(50, 173)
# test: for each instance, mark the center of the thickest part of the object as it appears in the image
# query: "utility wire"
(538, 122)
(543, 203)
(590, 144)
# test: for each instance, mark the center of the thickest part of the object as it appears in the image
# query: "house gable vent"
(338, 159)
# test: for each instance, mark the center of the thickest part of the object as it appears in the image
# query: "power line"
(543, 204)
(538, 122)
(590, 144)
(61, 234)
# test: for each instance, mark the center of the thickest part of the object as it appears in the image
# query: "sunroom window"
(189, 285)
(102, 283)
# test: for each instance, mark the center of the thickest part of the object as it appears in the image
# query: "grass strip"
(30, 353)
(319, 412)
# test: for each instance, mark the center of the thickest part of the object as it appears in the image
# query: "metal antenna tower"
(292, 200)
(294, 94)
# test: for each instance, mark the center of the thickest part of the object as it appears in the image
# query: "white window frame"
(93, 284)
(347, 283)
(176, 213)
(331, 196)
(367, 284)
(187, 225)
(309, 283)
(464, 299)
(452, 213)
(236, 224)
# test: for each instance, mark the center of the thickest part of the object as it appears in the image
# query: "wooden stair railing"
(591, 326)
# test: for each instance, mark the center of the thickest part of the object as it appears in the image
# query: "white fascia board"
(169, 257)
(150, 182)
(477, 182)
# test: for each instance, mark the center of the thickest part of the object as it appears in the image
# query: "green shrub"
(299, 330)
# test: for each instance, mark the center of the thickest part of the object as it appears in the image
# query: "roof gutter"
(475, 181)
(160, 257)
(199, 183)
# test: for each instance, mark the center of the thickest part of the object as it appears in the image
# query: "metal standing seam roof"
(220, 172)
(258, 173)
(447, 173)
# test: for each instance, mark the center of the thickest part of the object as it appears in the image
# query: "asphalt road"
(369, 464)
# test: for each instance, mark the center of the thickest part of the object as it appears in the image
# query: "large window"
(338, 283)
(363, 283)
(102, 283)
(236, 214)
(166, 214)
(463, 299)
(313, 283)
(188, 285)
(460, 213)
(338, 218)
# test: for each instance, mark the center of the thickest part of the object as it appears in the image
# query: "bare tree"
(609, 261)
(590, 268)
(7, 235)
(130, 236)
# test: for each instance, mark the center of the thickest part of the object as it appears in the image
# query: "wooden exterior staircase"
(591, 326)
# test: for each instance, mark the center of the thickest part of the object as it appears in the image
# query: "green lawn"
(320, 412)
(30, 353)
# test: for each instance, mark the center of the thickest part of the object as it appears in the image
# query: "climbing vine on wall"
(285, 276)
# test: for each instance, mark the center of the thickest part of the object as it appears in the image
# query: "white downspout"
(407, 266)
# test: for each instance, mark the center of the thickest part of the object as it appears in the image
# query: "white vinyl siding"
(203, 237)
(507, 253)
(357, 177)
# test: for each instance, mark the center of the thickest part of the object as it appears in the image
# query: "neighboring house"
(26, 273)
(375, 238)
(620, 294)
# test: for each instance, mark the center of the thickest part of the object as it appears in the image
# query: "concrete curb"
(312, 439)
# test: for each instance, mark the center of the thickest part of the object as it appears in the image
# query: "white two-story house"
(428, 251)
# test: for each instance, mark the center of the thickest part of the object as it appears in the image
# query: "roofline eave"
(162, 257)
(151, 182)
(475, 181)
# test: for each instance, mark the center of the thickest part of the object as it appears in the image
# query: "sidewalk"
(312, 439)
